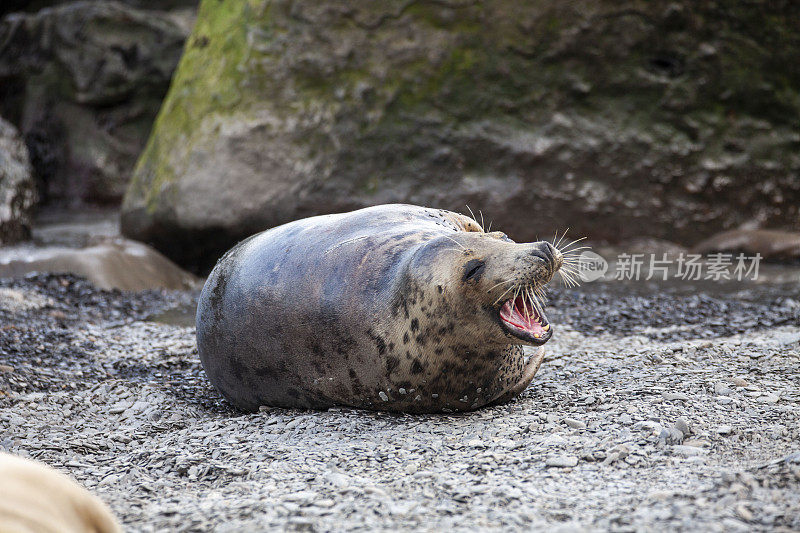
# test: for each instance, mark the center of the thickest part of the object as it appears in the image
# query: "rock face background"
(617, 119)
(17, 187)
(13, 6)
(83, 82)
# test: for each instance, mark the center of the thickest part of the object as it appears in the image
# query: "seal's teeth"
(536, 335)
(546, 327)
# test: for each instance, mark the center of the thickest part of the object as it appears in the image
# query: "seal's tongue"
(522, 315)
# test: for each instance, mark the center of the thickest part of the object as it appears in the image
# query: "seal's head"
(491, 286)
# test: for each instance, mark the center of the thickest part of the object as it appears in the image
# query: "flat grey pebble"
(574, 423)
(563, 461)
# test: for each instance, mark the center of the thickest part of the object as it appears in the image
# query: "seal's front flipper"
(531, 367)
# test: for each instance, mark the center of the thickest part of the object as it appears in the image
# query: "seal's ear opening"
(473, 270)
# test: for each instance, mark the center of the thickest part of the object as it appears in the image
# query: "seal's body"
(393, 307)
(35, 498)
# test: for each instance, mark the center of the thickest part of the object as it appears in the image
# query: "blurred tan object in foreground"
(35, 498)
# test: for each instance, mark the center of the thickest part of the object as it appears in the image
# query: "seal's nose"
(549, 254)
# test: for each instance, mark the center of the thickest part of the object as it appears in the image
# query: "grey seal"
(393, 307)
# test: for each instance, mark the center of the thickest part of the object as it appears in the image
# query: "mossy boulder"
(617, 119)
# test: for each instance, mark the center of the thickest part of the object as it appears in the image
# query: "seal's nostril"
(549, 254)
(545, 251)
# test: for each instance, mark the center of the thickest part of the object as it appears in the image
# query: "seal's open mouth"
(521, 319)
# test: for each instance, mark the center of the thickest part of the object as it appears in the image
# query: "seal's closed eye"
(473, 270)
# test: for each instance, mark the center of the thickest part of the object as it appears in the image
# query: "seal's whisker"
(574, 252)
(501, 283)
(501, 296)
(481, 213)
(525, 298)
(513, 297)
(530, 301)
(570, 268)
(475, 219)
(568, 278)
(570, 262)
(490, 227)
(566, 246)
(535, 306)
(455, 241)
(542, 293)
(543, 296)
(557, 243)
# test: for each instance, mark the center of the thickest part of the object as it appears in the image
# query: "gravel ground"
(662, 410)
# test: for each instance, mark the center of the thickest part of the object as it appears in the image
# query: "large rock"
(17, 187)
(11, 6)
(83, 82)
(771, 245)
(110, 264)
(664, 119)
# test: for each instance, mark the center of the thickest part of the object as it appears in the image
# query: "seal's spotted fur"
(391, 307)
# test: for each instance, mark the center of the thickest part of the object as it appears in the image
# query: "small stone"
(671, 396)
(325, 503)
(671, 435)
(724, 430)
(739, 382)
(612, 457)
(682, 425)
(337, 479)
(660, 495)
(625, 419)
(575, 424)
(768, 398)
(698, 443)
(562, 461)
(744, 513)
(383, 396)
(6, 369)
(721, 389)
(687, 451)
